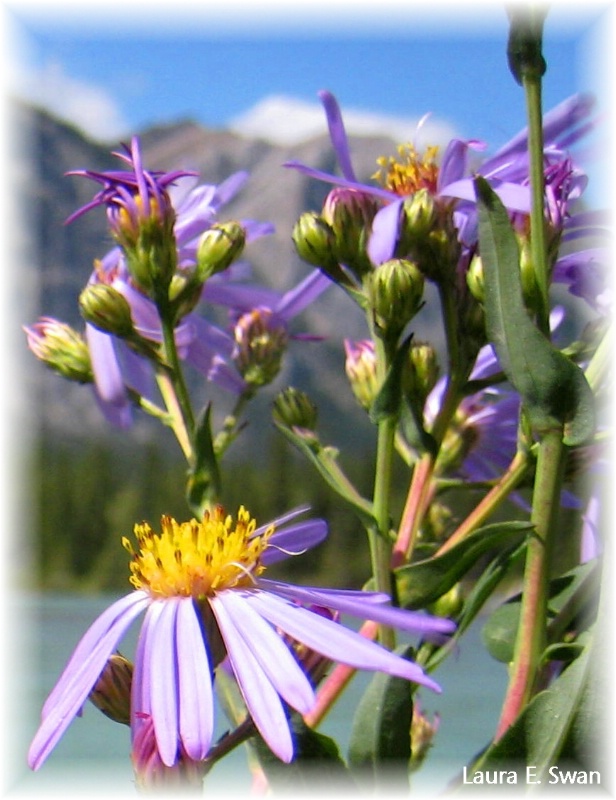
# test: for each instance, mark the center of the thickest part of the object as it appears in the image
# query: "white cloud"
(287, 120)
(90, 107)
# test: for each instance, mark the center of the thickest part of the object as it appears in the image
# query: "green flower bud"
(360, 367)
(474, 279)
(294, 409)
(107, 309)
(261, 342)
(422, 375)
(151, 253)
(420, 216)
(350, 214)
(315, 242)
(61, 348)
(218, 248)
(422, 735)
(395, 292)
(111, 692)
(428, 236)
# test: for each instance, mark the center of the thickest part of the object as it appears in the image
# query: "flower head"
(205, 599)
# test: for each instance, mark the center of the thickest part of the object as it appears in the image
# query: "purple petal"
(375, 191)
(354, 604)
(384, 235)
(261, 698)
(294, 540)
(161, 670)
(241, 297)
(334, 640)
(196, 701)
(514, 196)
(296, 300)
(273, 655)
(82, 672)
(337, 134)
(107, 375)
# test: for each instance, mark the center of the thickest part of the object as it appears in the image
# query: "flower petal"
(162, 671)
(334, 640)
(355, 604)
(196, 702)
(385, 228)
(337, 133)
(275, 658)
(81, 673)
(294, 540)
(261, 698)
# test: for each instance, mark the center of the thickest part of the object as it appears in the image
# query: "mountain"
(55, 259)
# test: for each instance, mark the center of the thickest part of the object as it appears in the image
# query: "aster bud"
(315, 242)
(360, 367)
(150, 248)
(294, 409)
(218, 248)
(107, 309)
(423, 371)
(428, 235)
(423, 732)
(474, 279)
(350, 214)
(61, 348)
(261, 341)
(111, 692)
(420, 215)
(395, 292)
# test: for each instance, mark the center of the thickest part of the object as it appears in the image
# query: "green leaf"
(380, 746)
(574, 587)
(499, 632)
(316, 763)
(387, 402)
(204, 477)
(553, 389)
(425, 581)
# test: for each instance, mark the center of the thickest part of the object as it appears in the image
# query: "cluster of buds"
(428, 236)
(218, 248)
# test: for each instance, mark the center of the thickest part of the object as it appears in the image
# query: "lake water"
(92, 757)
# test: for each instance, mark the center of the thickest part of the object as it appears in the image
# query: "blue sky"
(119, 67)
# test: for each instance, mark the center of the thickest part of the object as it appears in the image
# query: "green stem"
(532, 631)
(176, 380)
(514, 473)
(380, 548)
(532, 89)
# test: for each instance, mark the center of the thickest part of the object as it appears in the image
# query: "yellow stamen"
(197, 559)
(410, 173)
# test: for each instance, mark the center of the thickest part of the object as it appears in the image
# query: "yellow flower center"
(197, 559)
(410, 172)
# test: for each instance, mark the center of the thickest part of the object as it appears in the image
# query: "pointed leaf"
(204, 477)
(316, 763)
(553, 389)
(380, 747)
(425, 581)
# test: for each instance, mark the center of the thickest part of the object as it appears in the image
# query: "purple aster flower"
(200, 585)
(129, 197)
(507, 171)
